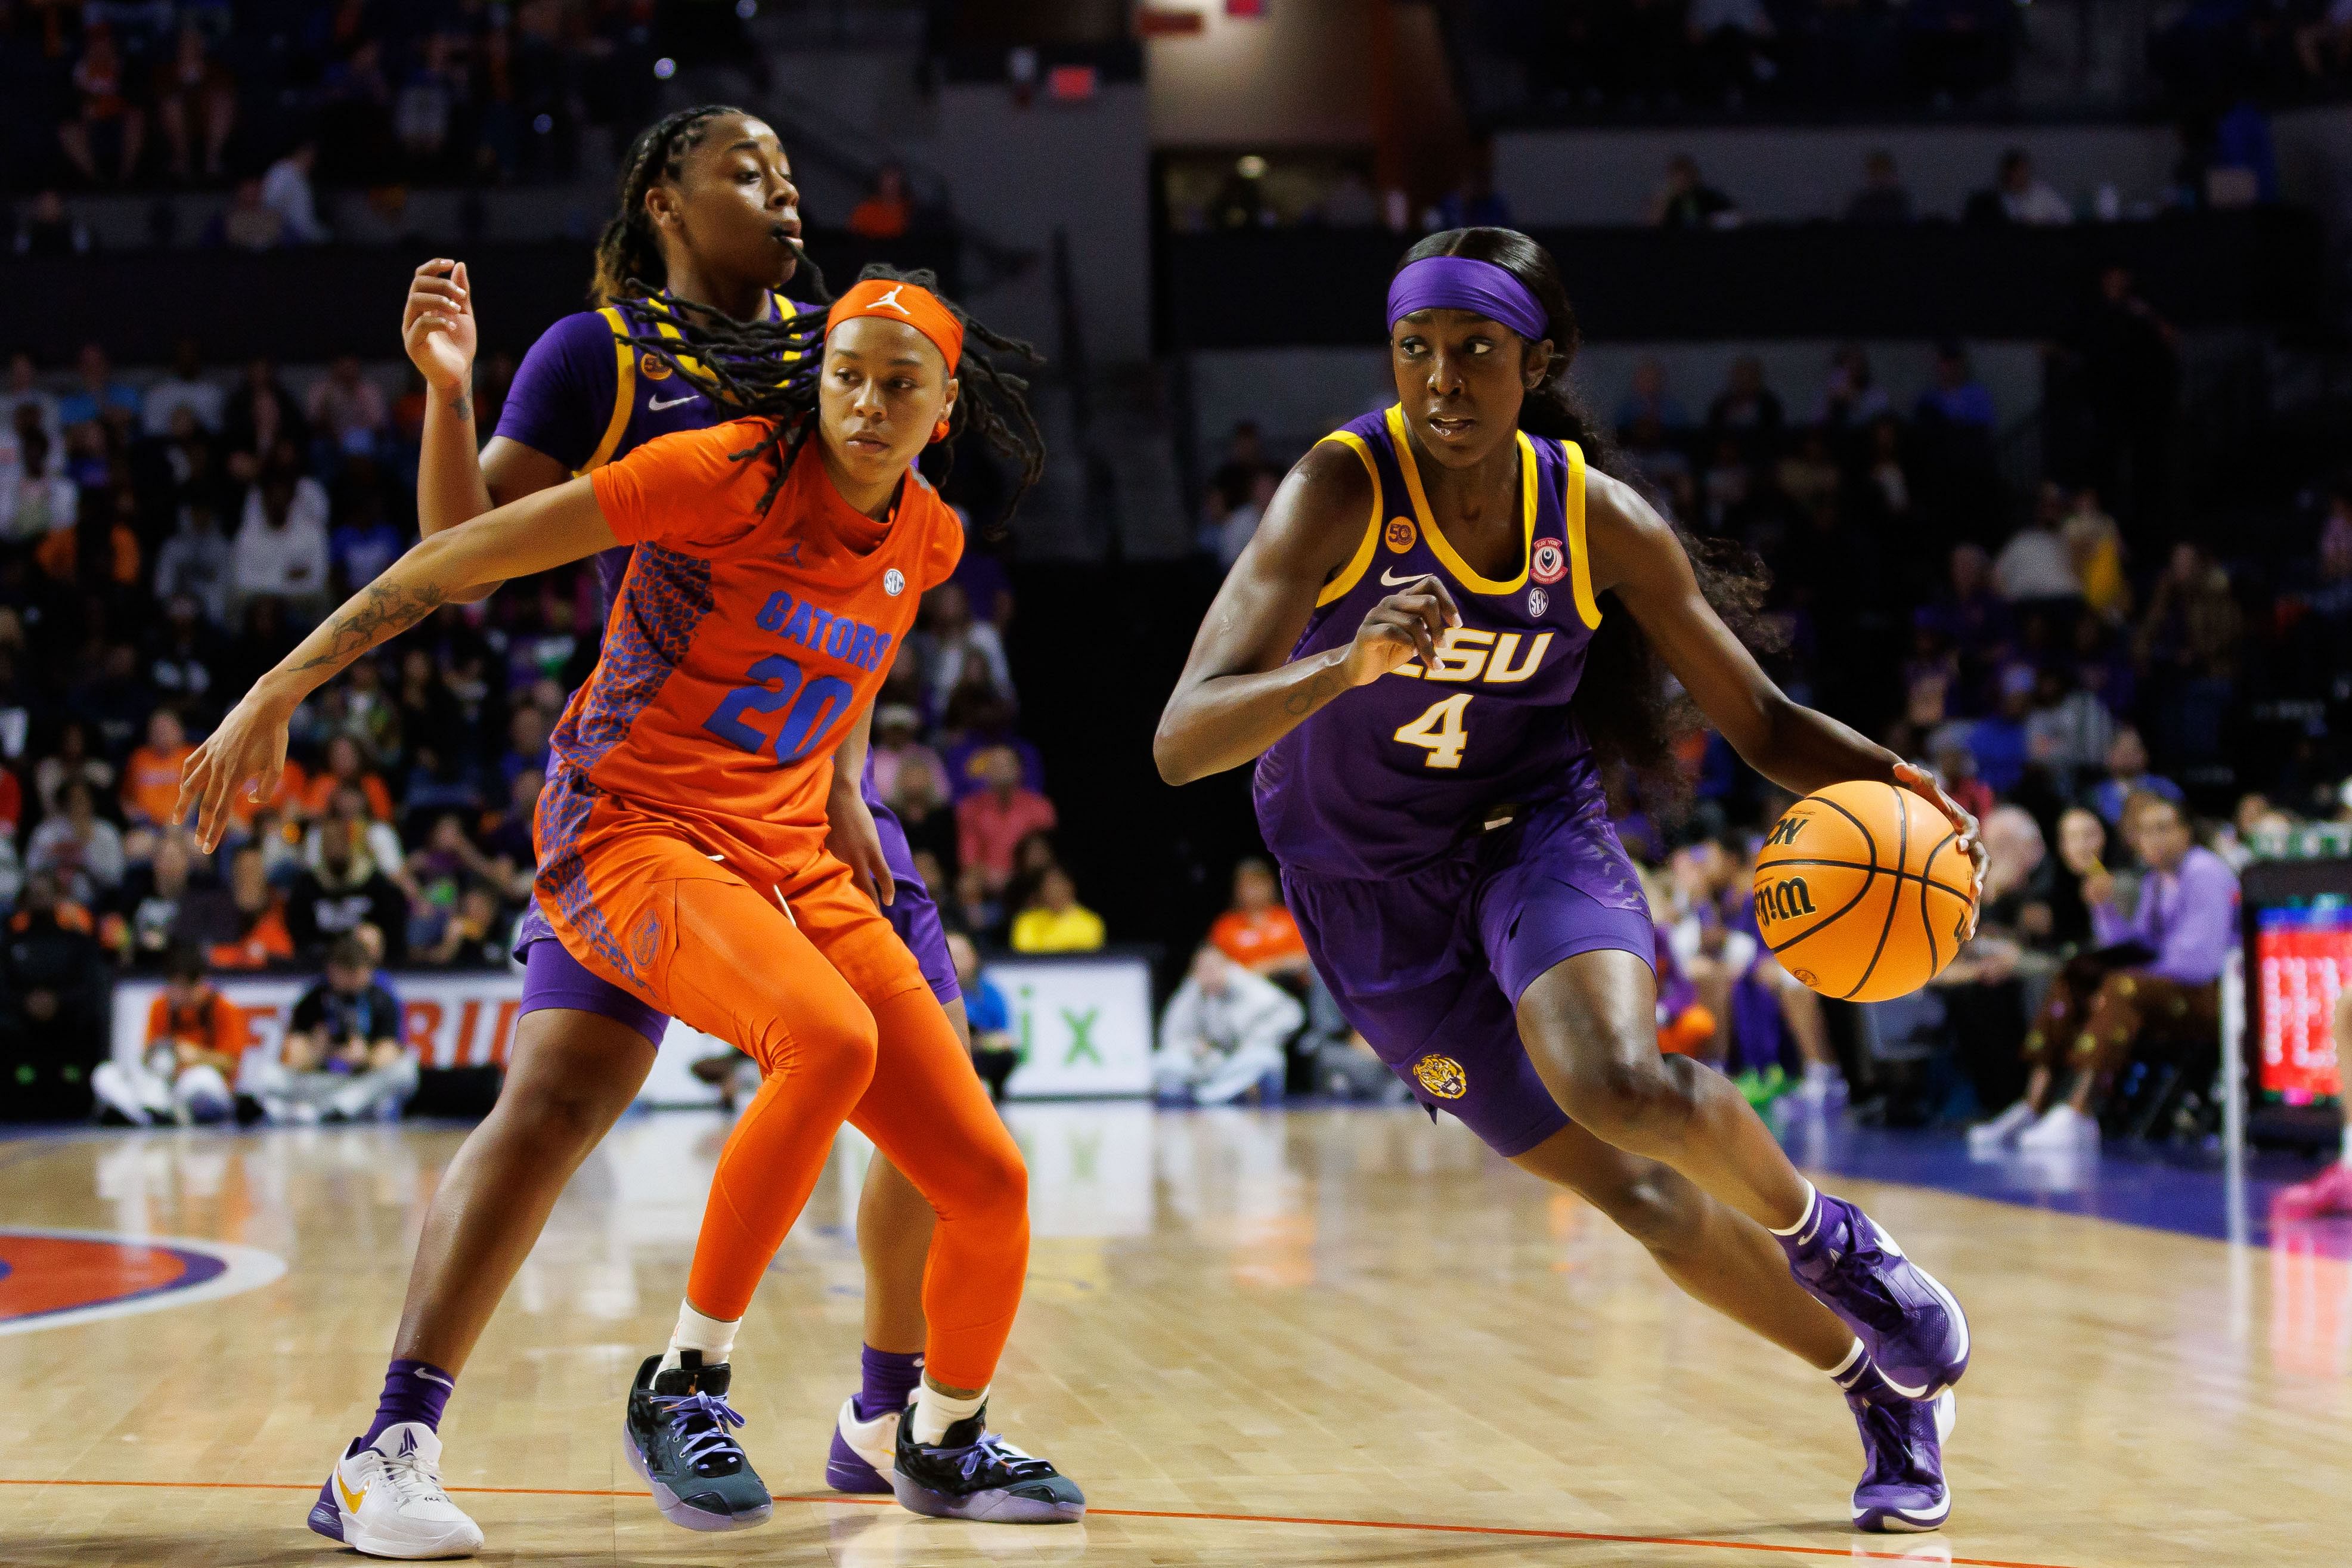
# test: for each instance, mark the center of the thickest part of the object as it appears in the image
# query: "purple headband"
(1460, 283)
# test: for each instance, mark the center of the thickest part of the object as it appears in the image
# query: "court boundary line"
(1850, 1552)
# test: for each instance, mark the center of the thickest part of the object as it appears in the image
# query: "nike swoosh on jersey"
(656, 405)
(1391, 580)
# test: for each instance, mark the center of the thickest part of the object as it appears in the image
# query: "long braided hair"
(769, 369)
(628, 253)
(1630, 711)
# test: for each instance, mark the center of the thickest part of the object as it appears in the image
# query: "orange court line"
(1849, 1552)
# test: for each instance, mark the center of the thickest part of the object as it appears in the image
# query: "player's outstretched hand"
(1919, 781)
(437, 327)
(856, 843)
(1410, 622)
(247, 752)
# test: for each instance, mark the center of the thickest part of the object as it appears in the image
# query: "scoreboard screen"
(2303, 958)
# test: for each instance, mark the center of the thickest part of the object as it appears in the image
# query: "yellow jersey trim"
(1438, 543)
(1362, 561)
(624, 393)
(1580, 562)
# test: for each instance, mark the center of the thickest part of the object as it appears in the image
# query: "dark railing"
(1266, 289)
(314, 303)
(1101, 486)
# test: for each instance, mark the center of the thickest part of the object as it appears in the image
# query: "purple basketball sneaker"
(1913, 1330)
(863, 1452)
(1903, 1487)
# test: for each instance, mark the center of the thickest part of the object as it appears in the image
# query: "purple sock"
(412, 1390)
(890, 1379)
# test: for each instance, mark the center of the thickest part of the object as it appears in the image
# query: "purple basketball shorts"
(1429, 966)
(553, 978)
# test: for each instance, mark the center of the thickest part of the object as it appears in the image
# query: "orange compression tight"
(886, 1060)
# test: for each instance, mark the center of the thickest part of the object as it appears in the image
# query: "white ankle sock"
(1812, 1197)
(935, 1411)
(713, 1338)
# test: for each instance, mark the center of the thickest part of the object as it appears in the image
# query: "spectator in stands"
(977, 909)
(886, 213)
(956, 648)
(195, 99)
(79, 848)
(2016, 196)
(1258, 932)
(53, 977)
(1998, 742)
(185, 387)
(150, 778)
(1239, 524)
(1054, 919)
(2070, 730)
(2094, 548)
(155, 899)
(108, 125)
(920, 800)
(286, 191)
(188, 1070)
(1728, 41)
(23, 403)
(1883, 198)
(1957, 396)
(1648, 398)
(2156, 988)
(261, 418)
(248, 929)
(345, 813)
(1245, 460)
(476, 934)
(995, 1051)
(898, 745)
(281, 545)
(2131, 370)
(347, 410)
(248, 222)
(2036, 563)
(73, 762)
(1851, 398)
(1746, 411)
(345, 1056)
(362, 545)
(343, 892)
(198, 563)
(1686, 201)
(35, 500)
(1223, 1033)
(100, 396)
(991, 822)
(427, 103)
(2129, 774)
(48, 227)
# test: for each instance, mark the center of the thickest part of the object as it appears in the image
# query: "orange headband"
(908, 302)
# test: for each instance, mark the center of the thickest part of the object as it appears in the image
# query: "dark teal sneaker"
(972, 1473)
(677, 1437)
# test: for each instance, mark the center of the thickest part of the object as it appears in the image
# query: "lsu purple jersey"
(1391, 776)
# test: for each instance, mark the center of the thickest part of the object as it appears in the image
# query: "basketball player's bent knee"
(1632, 1103)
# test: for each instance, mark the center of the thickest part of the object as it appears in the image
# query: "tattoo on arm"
(462, 408)
(1313, 692)
(385, 610)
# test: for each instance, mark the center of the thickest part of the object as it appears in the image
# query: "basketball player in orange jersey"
(1448, 621)
(684, 847)
(709, 213)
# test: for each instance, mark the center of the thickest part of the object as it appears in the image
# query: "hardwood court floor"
(1325, 1337)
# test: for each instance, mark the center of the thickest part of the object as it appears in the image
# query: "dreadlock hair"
(1629, 709)
(769, 369)
(628, 253)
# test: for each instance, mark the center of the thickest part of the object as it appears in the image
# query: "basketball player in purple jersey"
(708, 214)
(1448, 620)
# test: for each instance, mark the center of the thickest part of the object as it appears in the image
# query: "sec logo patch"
(894, 581)
(1401, 534)
(653, 367)
(1550, 561)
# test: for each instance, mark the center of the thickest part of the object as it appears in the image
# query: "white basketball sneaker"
(385, 1499)
(863, 1451)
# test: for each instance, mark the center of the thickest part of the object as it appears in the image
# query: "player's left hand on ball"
(1919, 781)
(856, 843)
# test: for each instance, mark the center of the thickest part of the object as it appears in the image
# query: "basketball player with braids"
(1451, 619)
(708, 213)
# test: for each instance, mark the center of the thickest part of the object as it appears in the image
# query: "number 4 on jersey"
(1440, 732)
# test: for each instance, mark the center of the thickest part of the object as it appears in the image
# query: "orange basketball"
(1863, 892)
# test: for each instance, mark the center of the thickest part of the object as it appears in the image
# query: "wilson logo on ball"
(1784, 832)
(1782, 900)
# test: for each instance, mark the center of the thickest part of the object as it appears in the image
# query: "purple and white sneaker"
(863, 1451)
(1912, 1326)
(1903, 1489)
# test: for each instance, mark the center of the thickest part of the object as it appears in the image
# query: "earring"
(940, 430)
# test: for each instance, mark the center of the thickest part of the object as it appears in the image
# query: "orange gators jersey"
(740, 646)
